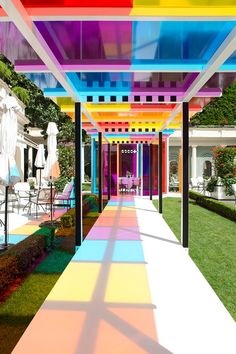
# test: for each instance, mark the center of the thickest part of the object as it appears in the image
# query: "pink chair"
(137, 184)
(64, 197)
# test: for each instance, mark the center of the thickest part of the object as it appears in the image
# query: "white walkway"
(131, 289)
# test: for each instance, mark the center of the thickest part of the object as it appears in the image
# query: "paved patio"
(130, 288)
(22, 225)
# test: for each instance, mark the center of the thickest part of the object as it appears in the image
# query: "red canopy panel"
(76, 3)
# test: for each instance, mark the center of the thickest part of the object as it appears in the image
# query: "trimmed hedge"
(218, 207)
(17, 260)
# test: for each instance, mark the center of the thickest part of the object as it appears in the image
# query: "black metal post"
(185, 176)
(109, 173)
(26, 163)
(160, 174)
(6, 218)
(51, 206)
(78, 178)
(34, 153)
(100, 174)
(150, 170)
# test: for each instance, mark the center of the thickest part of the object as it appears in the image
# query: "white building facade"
(25, 147)
(201, 144)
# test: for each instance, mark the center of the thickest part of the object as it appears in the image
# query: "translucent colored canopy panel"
(126, 3)
(183, 3)
(44, 80)
(178, 41)
(168, 44)
(129, 8)
(77, 3)
(13, 45)
(221, 80)
(88, 40)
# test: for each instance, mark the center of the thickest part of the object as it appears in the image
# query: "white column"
(82, 164)
(194, 162)
(167, 164)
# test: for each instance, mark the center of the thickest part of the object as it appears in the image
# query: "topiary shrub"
(9, 271)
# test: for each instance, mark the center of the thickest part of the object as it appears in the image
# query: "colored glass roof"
(130, 62)
(130, 8)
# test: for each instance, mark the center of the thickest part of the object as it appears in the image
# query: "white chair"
(12, 198)
(194, 183)
(200, 184)
(234, 190)
(22, 191)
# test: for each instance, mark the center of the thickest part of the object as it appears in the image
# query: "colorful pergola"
(130, 72)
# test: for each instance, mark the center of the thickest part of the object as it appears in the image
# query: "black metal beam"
(160, 174)
(78, 176)
(109, 173)
(150, 171)
(185, 176)
(100, 174)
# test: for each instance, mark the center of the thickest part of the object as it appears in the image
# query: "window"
(207, 168)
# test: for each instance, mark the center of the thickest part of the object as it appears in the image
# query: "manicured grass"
(212, 246)
(19, 309)
(55, 262)
(86, 186)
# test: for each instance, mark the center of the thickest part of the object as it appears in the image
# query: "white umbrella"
(51, 169)
(40, 160)
(9, 174)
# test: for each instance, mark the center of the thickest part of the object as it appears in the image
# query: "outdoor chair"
(174, 184)
(201, 184)
(124, 184)
(12, 198)
(64, 198)
(22, 190)
(194, 183)
(136, 184)
(234, 190)
(43, 200)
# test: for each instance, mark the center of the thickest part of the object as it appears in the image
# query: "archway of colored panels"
(136, 63)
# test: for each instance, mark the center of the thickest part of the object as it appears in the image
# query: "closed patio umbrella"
(9, 174)
(51, 169)
(40, 161)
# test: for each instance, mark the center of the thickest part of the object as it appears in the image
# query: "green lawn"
(212, 246)
(19, 309)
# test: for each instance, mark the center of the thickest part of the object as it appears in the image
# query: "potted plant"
(220, 185)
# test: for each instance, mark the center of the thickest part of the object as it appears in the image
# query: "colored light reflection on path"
(102, 302)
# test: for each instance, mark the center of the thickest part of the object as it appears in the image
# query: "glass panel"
(77, 3)
(13, 45)
(183, 3)
(128, 160)
(177, 41)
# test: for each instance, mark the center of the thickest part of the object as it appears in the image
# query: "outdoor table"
(31, 193)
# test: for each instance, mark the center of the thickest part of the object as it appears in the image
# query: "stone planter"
(219, 193)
